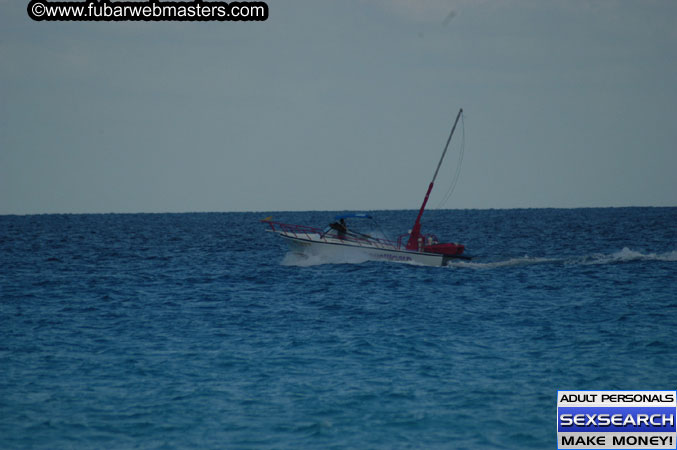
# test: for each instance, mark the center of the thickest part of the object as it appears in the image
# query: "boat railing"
(295, 230)
(316, 234)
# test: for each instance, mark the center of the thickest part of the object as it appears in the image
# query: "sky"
(342, 105)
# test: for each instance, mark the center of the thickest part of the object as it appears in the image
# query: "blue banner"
(616, 419)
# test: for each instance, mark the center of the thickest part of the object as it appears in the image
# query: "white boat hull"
(336, 249)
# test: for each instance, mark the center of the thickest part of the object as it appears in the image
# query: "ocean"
(200, 331)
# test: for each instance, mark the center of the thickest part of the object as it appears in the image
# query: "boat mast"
(412, 243)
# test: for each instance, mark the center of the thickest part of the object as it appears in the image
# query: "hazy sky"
(333, 105)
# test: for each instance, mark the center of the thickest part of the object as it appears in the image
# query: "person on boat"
(340, 228)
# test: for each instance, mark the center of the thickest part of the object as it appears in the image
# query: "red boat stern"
(445, 249)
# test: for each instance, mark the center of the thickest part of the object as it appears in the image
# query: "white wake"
(621, 256)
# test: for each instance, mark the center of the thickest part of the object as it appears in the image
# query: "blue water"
(195, 330)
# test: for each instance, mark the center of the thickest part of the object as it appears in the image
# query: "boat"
(341, 239)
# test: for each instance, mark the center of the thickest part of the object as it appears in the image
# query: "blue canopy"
(353, 215)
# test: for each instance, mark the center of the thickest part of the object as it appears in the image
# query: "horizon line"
(324, 210)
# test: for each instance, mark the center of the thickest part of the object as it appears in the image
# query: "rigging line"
(457, 174)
